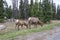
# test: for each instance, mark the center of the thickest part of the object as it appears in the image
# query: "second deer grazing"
(35, 21)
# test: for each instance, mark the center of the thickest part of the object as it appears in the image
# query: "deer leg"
(26, 26)
(29, 26)
(22, 26)
(35, 25)
(41, 24)
(18, 27)
(15, 26)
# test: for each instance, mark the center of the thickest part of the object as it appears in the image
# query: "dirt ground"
(55, 21)
(9, 27)
(33, 36)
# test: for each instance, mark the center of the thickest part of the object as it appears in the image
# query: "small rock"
(2, 27)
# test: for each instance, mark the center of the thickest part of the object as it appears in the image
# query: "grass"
(27, 31)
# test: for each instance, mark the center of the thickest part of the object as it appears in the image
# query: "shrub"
(1, 20)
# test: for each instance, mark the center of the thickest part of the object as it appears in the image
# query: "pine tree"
(46, 11)
(58, 12)
(1, 11)
(36, 14)
(5, 4)
(40, 10)
(21, 8)
(15, 13)
(31, 2)
(54, 11)
(31, 7)
(26, 9)
(9, 12)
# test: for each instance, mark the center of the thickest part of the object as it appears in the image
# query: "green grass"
(27, 31)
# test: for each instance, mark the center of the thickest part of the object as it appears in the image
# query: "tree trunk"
(26, 9)
(15, 9)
